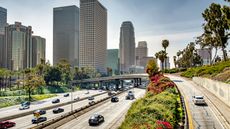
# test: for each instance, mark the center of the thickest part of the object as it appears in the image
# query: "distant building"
(141, 52)
(145, 60)
(3, 19)
(93, 35)
(127, 46)
(2, 49)
(112, 60)
(167, 64)
(206, 55)
(66, 34)
(18, 47)
(136, 69)
(39, 50)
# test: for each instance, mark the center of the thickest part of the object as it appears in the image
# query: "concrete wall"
(220, 89)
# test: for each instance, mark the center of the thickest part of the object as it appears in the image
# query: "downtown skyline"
(180, 26)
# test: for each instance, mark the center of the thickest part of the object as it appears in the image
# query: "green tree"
(32, 81)
(165, 44)
(53, 74)
(64, 67)
(174, 61)
(162, 55)
(217, 23)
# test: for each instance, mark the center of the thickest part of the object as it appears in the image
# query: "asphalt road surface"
(112, 113)
(202, 115)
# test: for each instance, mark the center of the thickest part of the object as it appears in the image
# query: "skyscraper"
(3, 19)
(39, 50)
(66, 34)
(2, 50)
(93, 34)
(112, 60)
(141, 52)
(127, 46)
(18, 47)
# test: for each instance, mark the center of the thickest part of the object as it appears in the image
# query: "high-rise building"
(206, 55)
(39, 50)
(18, 46)
(2, 50)
(112, 60)
(93, 35)
(127, 46)
(141, 52)
(3, 19)
(66, 34)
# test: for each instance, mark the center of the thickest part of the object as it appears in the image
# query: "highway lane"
(25, 122)
(13, 110)
(112, 113)
(202, 116)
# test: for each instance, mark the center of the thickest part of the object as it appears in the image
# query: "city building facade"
(112, 60)
(93, 35)
(66, 34)
(38, 50)
(3, 19)
(2, 50)
(17, 46)
(141, 52)
(206, 55)
(126, 46)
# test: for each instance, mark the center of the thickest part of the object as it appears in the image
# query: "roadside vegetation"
(14, 100)
(219, 71)
(159, 108)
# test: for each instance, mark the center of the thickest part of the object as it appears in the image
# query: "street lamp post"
(71, 97)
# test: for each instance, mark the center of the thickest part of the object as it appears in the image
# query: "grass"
(146, 111)
(14, 100)
(219, 71)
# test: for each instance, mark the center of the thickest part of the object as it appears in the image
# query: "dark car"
(38, 120)
(6, 124)
(91, 102)
(56, 101)
(96, 119)
(66, 95)
(114, 99)
(58, 110)
(41, 112)
(91, 98)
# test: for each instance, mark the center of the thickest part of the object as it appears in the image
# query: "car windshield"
(199, 97)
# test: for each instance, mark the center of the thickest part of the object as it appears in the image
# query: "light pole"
(71, 97)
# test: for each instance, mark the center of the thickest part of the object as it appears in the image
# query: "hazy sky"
(179, 21)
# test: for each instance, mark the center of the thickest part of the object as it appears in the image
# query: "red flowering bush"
(163, 125)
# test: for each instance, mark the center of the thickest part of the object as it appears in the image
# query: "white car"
(198, 100)
(77, 98)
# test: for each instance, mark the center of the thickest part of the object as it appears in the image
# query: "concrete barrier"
(220, 89)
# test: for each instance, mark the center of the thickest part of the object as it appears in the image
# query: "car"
(87, 92)
(91, 102)
(6, 124)
(91, 98)
(96, 119)
(58, 110)
(77, 98)
(198, 100)
(25, 103)
(56, 101)
(130, 96)
(41, 112)
(38, 120)
(100, 90)
(114, 99)
(66, 95)
(24, 107)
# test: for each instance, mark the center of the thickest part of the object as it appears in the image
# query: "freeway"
(25, 121)
(112, 112)
(203, 117)
(13, 110)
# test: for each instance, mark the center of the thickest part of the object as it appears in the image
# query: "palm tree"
(162, 56)
(165, 44)
(174, 60)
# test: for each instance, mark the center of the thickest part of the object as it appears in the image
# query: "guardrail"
(58, 121)
(46, 108)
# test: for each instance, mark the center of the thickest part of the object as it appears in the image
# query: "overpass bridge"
(118, 80)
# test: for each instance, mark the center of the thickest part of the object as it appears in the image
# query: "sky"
(179, 21)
